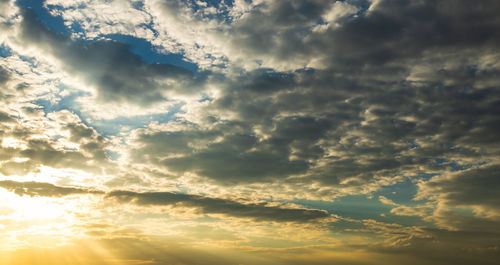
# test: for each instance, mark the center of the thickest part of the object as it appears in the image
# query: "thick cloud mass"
(476, 186)
(396, 89)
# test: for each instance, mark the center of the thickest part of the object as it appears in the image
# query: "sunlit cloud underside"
(249, 132)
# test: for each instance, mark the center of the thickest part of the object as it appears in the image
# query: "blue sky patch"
(106, 127)
(55, 24)
(5, 51)
(138, 46)
(146, 51)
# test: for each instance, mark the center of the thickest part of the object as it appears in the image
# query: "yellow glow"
(76, 253)
(39, 221)
(9, 142)
(37, 208)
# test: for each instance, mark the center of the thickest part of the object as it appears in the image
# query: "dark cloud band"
(32, 188)
(257, 211)
(206, 205)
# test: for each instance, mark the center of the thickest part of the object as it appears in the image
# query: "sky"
(249, 132)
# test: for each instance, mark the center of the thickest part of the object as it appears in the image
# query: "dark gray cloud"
(384, 123)
(42, 152)
(402, 85)
(472, 187)
(333, 129)
(467, 199)
(116, 72)
(405, 84)
(32, 188)
(237, 156)
(292, 34)
(80, 131)
(207, 205)
(393, 31)
(5, 117)
(4, 76)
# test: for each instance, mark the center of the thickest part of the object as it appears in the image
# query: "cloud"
(281, 35)
(32, 188)
(291, 35)
(472, 187)
(226, 153)
(299, 100)
(110, 67)
(207, 205)
(387, 201)
(42, 152)
(337, 130)
(57, 140)
(370, 112)
(97, 18)
(4, 76)
(466, 199)
(5, 117)
(447, 247)
(419, 210)
(403, 210)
